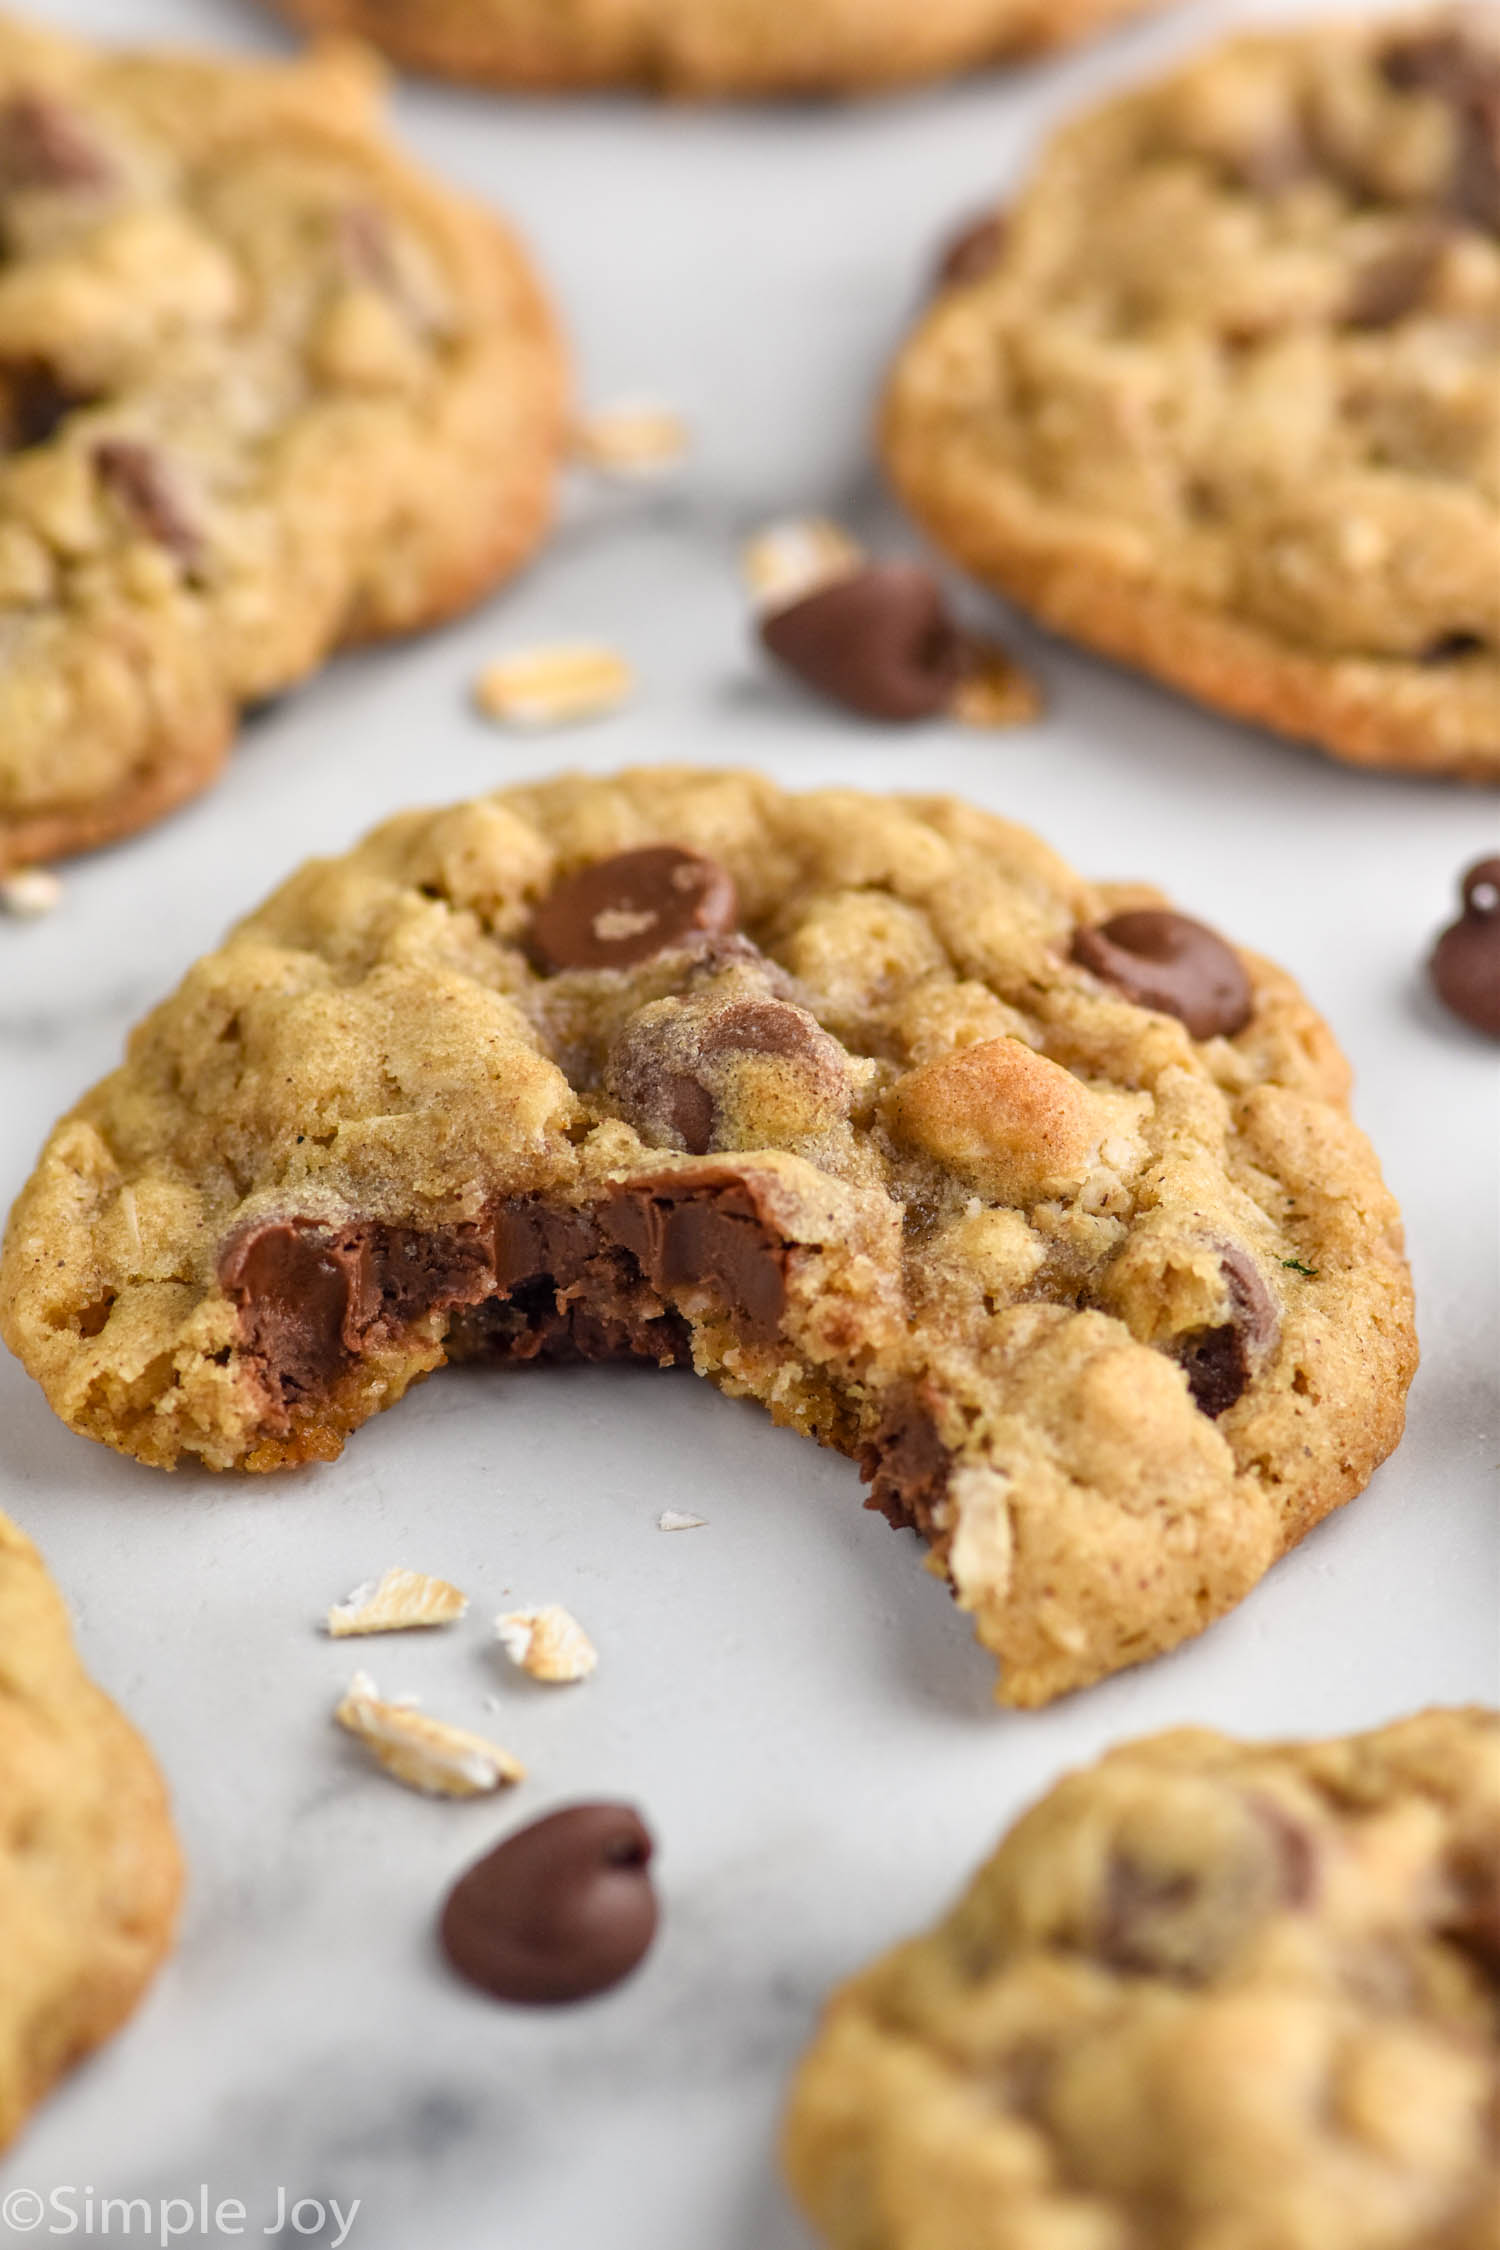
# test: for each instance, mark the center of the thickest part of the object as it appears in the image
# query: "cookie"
(89, 1872)
(265, 391)
(1036, 1198)
(1205, 1993)
(1223, 398)
(710, 47)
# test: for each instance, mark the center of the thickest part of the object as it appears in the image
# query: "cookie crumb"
(789, 560)
(994, 691)
(30, 893)
(635, 441)
(548, 1643)
(675, 1519)
(399, 1602)
(425, 1754)
(556, 686)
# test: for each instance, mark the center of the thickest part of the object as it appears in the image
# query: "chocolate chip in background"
(623, 910)
(45, 144)
(34, 403)
(1167, 961)
(880, 642)
(146, 489)
(561, 1911)
(1465, 962)
(973, 252)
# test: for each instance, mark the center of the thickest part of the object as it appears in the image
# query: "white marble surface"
(785, 1692)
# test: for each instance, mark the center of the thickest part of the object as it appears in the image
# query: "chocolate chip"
(1166, 961)
(143, 484)
(973, 252)
(1458, 70)
(619, 911)
(561, 1911)
(880, 642)
(907, 1467)
(529, 1281)
(1465, 964)
(33, 404)
(1452, 648)
(1184, 1922)
(1221, 1362)
(1473, 1919)
(672, 1070)
(1390, 287)
(44, 144)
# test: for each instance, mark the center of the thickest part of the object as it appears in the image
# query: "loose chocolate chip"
(561, 1911)
(1220, 1363)
(1465, 964)
(973, 252)
(880, 642)
(1166, 961)
(623, 910)
(44, 144)
(142, 483)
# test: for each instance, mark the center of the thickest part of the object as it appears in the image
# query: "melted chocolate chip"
(1166, 961)
(1465, 963)
(907, 1467)
(1220, 1363)
(530, 1281)
(142, 483)
(973, 252)
(44, 144)
(880, 642)
(620, 911)
(561, 1911)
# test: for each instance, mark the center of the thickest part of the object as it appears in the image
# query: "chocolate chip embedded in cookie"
(265, 391)
(832, 1098)
(1205, 1992)
(702, 47)
(89, 1869)
(1225, 401)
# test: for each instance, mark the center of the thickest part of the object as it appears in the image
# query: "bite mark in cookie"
(811, 1094)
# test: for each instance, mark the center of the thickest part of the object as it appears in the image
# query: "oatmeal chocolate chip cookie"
(89, 1872)
(1223, 397)
(710, 47)
(264, 391)
(1040, 1201)
(1206, 1993)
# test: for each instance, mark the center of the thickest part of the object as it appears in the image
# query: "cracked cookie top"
(1204, 1993)
(264, 390)
(1222, 395)
(1035, 1196)
(89, 1871)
